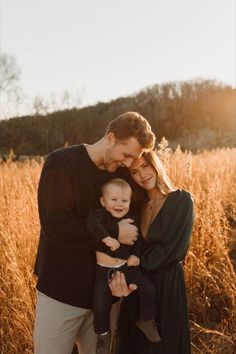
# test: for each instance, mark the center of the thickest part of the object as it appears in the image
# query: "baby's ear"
(102, 201)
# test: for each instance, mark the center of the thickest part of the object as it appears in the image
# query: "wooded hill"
(195, 114)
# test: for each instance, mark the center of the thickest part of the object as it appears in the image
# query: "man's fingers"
(114, 284)
(129, 220)
(119, 286)
(126, 290)
(124, 287)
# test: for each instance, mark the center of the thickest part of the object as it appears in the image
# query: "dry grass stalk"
(210, 276)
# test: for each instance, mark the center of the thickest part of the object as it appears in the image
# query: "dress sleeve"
(99, 227)
(60, 224)
(169, 233)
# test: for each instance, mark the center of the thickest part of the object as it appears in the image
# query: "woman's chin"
(146, 186)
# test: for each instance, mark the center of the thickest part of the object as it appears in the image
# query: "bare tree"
(9, 73)
(13, 101)
(10, 92)
(40, 106)
(68, 99)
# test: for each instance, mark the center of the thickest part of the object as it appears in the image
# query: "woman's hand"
(119, 286)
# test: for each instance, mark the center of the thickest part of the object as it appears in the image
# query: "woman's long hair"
(163, 182)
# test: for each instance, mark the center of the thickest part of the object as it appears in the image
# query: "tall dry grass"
(19, 230)
(211, 281)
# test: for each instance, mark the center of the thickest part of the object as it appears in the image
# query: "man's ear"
(110, 137)
(102, 201)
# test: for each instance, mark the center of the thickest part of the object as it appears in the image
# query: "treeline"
(195, 114)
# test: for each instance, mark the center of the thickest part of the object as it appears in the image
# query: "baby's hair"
(119, 182)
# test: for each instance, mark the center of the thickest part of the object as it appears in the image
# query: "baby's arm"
(133, 260)
(101, 230)
(111, 242)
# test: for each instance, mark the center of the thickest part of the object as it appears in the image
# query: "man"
(69, 187)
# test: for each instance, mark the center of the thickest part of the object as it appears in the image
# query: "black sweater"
(69, 187)
(99, 222)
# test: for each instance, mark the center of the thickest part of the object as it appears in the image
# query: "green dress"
(166, 246)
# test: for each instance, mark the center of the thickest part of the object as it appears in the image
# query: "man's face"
(120, 153)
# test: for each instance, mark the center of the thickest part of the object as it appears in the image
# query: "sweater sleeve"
(99, 226)
(60, 223)
(173, 229)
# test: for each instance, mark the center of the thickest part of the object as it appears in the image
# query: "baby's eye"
(133, 172)
(113, 199)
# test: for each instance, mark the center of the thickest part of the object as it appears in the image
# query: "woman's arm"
(173, 229)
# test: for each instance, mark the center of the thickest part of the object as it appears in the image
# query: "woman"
(166, 224)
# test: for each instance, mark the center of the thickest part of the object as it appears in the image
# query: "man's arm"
(98, 225)
(60, 224)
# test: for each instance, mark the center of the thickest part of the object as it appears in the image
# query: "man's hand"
(127, 232)
(133, 261)
(111, 242)
(119, 286)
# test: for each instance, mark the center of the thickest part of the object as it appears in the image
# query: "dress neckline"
(157, 215)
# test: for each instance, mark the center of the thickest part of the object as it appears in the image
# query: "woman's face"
(143, 174)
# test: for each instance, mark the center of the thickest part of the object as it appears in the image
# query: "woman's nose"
(141, 175)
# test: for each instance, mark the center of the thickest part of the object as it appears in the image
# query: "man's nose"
(128, 162)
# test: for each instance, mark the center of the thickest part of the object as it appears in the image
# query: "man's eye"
(133, 172)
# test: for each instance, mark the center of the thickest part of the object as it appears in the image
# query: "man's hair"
(132, 124)
(119, 182)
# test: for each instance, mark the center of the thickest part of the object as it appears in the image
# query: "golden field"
(211, 281)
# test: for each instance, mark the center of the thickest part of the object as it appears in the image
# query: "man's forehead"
(136, 153)
(131, 143)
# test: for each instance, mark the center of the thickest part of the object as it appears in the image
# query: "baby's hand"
(133, 261)
(111, 242)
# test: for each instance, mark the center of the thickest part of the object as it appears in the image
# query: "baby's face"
(116, 200)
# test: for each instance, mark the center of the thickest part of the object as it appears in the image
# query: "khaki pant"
(58, 326)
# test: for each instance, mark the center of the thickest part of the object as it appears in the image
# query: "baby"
(112, 256)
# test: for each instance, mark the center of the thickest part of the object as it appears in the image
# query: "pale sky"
(113, 48)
